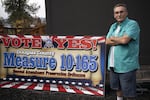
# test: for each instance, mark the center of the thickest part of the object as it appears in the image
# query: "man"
(123, 37)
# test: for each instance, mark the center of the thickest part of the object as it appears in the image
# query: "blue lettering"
(13, 61)
(63, 64)
(45, 62)
(25, 62)
(9, 59)
(69, 62)
(83, 63)
(32, 62)
(18, 62)
(39, 63)
(93, 66)
(78, 64)
(52, 63)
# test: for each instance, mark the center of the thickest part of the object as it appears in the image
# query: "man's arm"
(118, 40)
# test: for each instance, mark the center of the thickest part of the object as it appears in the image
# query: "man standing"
(123, 61)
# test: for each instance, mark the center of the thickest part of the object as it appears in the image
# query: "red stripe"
(5, 84)
(61, 88)
(76, 90)
(94, 92)
(36, 36)
(87, 37)
(101, 89)
(17, 85)
(31, 87)
(4, 35)
(46, 87)
(100, 39)
(70, 36)
(20, 36)
(54, 36)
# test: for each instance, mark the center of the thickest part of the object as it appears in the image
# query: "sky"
(41, 12)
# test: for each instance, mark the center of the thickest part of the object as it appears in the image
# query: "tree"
(20, 11)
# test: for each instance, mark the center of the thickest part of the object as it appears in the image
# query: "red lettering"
(75, 43)
(86, 44)
(72, 43)
(36, 43)
(26, 42)
(15, 42)
(6, 41)
(94, 44)
(79, 44)
(60, 43)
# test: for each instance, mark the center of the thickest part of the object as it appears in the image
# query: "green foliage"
(19, 10)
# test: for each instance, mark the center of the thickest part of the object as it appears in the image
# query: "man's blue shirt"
(126, 56)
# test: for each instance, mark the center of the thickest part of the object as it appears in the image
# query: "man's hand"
(118, 40)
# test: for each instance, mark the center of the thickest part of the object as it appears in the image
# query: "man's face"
(120, 13)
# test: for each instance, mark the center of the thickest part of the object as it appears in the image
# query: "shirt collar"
(122, 23)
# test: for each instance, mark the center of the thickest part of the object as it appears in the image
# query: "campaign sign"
(73, 64)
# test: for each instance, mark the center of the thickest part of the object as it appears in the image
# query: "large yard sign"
(74, 64)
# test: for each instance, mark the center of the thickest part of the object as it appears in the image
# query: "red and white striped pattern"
(53, 87)
(100, 39)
